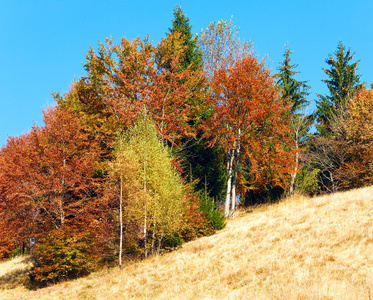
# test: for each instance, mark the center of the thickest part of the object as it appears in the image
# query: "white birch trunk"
(121, 221)
(234, 180)
(229, 182)
(145, 216)
(292, 183)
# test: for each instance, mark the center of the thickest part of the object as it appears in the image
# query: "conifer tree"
(294, 93)
(343, 83)
(192, 55)
(199, 161)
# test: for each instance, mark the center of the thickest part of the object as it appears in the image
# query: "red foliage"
(46, 176)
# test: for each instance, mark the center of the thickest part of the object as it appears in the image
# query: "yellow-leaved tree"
(150, 190)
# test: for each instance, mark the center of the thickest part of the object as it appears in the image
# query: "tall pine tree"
(343, 83)
(294, 93)
(199, 162)
(180, 23)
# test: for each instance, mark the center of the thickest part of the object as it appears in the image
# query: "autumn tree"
(124, 79)
(247, 111)
(151, 191)
(18, 211)
(357, 170)
(220, 44)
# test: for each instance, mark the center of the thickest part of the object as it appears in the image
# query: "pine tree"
(199, 161)
(294, 93)
(343, 83)
(180, 23)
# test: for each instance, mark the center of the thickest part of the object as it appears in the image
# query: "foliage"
(357, 170)
(213, 213)
(343, 83)
(62, 254)
(249, 120)
(294, 93)
(153, 190)
(221, 45)
(192, 55)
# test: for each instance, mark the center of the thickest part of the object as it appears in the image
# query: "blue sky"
(43, 42)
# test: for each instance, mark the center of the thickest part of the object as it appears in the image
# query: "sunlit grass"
(300, 248)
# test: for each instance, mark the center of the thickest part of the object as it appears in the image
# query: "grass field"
(300, 248)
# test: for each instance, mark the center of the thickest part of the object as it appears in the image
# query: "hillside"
(319, 248)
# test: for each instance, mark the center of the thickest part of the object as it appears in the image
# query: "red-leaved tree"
(249, 121)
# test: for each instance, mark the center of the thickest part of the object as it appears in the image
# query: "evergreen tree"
(193, 55)
(199, 161)
(294, 92)
(343, 83)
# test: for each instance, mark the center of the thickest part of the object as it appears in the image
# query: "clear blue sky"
(43, 42)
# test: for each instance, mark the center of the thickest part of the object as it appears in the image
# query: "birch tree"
(247, 112)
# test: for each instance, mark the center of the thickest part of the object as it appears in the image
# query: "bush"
(16, 252)
(213, 213)
(62, 255)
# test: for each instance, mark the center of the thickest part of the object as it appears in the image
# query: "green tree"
(192, 54)
(294, 93)
(201, 163)
(343, 83)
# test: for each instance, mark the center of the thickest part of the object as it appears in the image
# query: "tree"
(192, 54)
(248, 119)
(122, 80)
(357, 170)
(153, 191)
(294, 93)
(221, 45)
(343, 83)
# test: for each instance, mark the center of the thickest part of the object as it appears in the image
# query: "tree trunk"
(121, 221)
(234, 179)
(145, 216)
(292, 183)
(229, 182)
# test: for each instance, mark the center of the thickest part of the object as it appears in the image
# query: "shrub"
(62, 255)
(16, 252)
(213, 213)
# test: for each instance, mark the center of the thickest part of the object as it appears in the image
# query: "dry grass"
(300, 248)
(14, 272)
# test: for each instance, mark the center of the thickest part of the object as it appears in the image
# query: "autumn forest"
(159, 144)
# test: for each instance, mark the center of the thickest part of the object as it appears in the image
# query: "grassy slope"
(320, 248)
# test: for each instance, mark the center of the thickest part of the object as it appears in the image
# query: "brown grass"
(300, 248)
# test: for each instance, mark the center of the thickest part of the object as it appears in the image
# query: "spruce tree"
(294, 93)
(180, 23)
(203, 165)
(343, 83)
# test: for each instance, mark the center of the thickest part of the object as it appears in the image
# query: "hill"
(299, 248)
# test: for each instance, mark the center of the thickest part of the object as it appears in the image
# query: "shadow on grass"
(17, 276)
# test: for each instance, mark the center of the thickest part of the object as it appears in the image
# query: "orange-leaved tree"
(250, 122)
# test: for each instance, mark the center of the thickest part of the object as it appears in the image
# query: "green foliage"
(213, 213)
(62, 255)
(293, 91)
(16, 252)
(307, 180)
(192, 54)
(343, 83)
(173, 241)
